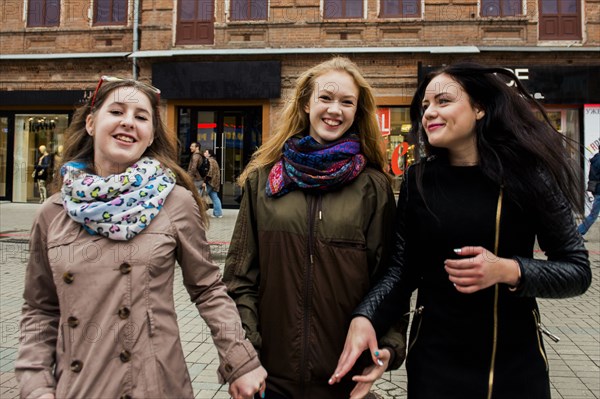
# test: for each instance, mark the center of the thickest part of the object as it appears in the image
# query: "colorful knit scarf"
(308, 165)
(118, 206)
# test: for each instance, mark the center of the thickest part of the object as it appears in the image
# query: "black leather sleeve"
(389, 300)
(566, 272)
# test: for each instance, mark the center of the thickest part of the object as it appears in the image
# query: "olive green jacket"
(297, 267)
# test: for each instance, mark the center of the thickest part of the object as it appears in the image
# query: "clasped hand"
(361, 336)
(249, 384)
(480, 269)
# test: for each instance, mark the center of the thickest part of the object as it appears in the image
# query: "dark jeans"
(591, 218)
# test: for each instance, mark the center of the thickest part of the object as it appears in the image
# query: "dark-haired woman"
(496, 177)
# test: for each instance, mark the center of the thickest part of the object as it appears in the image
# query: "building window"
(501, 8)
(400, 8)
(560, 19)
(110, 12)
(43, 13)
(343, 8)
(195, 22)
(244, 10)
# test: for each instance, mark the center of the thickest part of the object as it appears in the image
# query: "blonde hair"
(294, 119)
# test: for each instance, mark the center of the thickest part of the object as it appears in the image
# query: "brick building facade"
(226, 67)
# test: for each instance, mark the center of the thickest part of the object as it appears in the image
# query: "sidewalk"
(574, 361)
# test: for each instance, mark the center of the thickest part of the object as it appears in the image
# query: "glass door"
(232, 145)
(233, 133)
(4, 154)
(34, 133)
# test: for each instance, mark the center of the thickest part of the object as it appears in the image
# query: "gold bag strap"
(496, 288)
(498, 214)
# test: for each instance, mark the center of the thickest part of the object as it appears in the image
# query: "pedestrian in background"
(594, 188)
(312, 235)
(212, 183)
(195, 161)
(496, 177)
(99, 318)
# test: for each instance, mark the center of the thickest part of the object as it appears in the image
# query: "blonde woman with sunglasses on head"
(99, 317)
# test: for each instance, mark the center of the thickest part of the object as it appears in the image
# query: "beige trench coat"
(99, 318)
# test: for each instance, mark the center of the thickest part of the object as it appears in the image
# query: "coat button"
(76, 366)
(125, 356)
(126, 396)
(73, 321)
(124, 312)
(68, 277)
(228, 368)
(125, 268)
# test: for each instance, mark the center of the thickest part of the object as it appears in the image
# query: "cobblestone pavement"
(574, 361)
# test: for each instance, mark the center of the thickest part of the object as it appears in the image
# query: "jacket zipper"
(496, 293)
(313, 205)
(539, 329)
(418, 311)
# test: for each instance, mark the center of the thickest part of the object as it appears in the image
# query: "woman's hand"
(247, 385)
(480, 269)
(361, 336)
(370, 375)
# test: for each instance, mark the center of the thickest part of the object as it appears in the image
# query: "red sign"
(383, 119)
(400, 150)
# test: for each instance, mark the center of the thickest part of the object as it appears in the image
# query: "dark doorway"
(233, 133)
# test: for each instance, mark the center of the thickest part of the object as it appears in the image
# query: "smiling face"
(122, 129)
(449, 119)
(332, 106)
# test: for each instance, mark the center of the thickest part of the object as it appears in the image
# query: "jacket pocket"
(358, 245)
(151, 325)
(538, 334)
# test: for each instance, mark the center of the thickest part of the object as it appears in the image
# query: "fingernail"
(376, 353)
(379, 362)
(262, 395)
(457, 250)
(331, 380)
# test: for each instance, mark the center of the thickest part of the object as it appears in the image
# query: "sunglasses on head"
(115, 79)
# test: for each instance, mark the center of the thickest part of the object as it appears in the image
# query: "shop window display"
(33, 131)
(394, 123)
(566, 121)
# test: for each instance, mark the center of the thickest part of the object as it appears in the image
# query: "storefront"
(232, 132)
(224, 106)
(33, 120)
(394, 124)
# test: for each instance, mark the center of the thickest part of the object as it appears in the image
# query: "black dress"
(486, 344)
(41, 169)
(452, 339)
